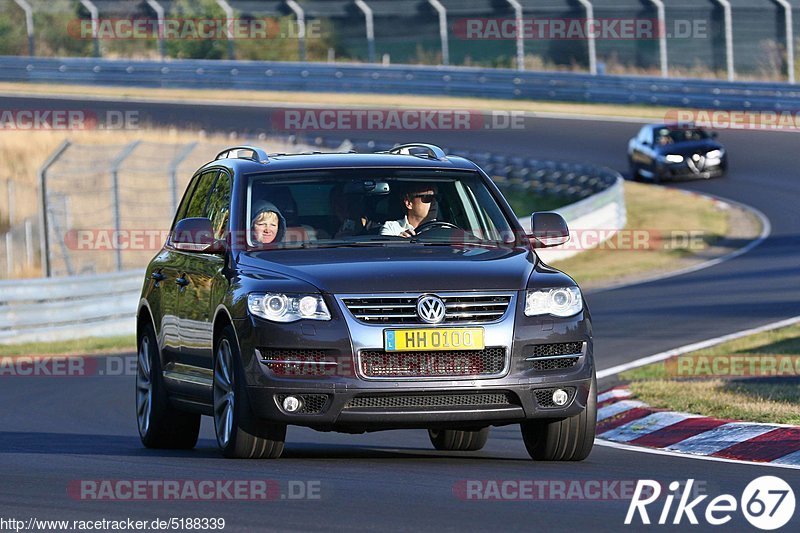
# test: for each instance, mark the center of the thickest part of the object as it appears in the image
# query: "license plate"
(433, 339)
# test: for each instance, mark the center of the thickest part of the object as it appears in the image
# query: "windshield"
(362, 207)
(666, 136)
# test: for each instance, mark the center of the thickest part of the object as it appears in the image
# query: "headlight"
(564, 301)
(288, 307)
(714, 154)
(674, 158)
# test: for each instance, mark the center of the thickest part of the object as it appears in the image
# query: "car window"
(218, 208)
(322, 206)
(197, 204)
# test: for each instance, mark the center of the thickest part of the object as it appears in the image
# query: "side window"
(219, 204)
(197, 205)
(183, 206)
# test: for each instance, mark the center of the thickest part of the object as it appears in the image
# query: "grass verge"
(284, 98)
(86, 346)
(667, 218)
(709, 382)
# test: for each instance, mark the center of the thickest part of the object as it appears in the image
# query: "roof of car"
(315, 161)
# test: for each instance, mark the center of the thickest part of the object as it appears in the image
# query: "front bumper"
(346, 400)
(683, 171)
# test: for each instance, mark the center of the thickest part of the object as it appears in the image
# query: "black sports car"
(661, 152)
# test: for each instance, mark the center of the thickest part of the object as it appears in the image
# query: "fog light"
(560, 397)
(292, 404)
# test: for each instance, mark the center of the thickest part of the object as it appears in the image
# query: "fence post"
(173, 172)
(301, 27)
(26, 7)
(370, 22)
(520, 38)
(28, 243)
(662, 37)
(155, 6)
(590, 36)
(10, 200)
(123, 155)
(728, 20)
(10, 253)
(226, 7)
(93, 11)
(437, 5)
(43, 232)
(787, 14)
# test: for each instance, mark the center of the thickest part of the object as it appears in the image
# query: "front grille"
(544, 397)
(381, 364)
(554, 364)
(291, 362)
(395, 401)
(462, 308)
(561, 348)
(312, 404)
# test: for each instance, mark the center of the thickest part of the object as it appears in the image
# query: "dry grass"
(87, 346)
(755, 402)
(338, 99)
(775, 399)
(661, 212)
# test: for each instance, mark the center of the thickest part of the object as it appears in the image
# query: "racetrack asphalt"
(54, 431)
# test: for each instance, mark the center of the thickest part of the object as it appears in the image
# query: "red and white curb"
(623, 419)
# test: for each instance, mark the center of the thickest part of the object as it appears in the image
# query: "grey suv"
(360, 292)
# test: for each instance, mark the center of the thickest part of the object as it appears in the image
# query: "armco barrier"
(404, 79)
(54, 309)
(105, 305)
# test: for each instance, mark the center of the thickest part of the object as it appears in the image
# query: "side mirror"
(714, 134)
(195, 235)
(548, 229)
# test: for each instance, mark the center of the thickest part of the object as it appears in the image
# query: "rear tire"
(458, 440)
(568, 439)
(240, 434)
(160, 424)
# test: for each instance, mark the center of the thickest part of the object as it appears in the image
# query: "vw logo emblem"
(431, 309)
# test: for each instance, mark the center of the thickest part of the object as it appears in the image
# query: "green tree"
(194, 47)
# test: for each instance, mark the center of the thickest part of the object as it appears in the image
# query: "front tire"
(160, 424)
(568, 439)
(458, 440)
(240, 434)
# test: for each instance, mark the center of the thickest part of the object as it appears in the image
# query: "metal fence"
(440, 81)
(698, 37)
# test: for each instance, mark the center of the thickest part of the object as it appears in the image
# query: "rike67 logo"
(767, 503)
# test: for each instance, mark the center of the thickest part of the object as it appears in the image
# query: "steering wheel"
(431, 224)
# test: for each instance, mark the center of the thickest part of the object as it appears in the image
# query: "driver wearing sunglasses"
(417, 204)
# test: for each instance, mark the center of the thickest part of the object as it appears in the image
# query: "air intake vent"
(462, 308)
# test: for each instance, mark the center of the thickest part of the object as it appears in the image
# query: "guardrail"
(54, 309)
(62, 308)
(404, 79)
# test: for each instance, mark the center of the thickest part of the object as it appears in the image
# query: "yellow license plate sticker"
(433, 339)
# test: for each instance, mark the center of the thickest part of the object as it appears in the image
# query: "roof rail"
(432, 151)
(256, 154)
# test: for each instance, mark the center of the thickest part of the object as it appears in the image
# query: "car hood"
(690, 148)
(402, 268)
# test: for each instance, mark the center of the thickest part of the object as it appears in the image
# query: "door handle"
(158, 276)
(182, 281)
